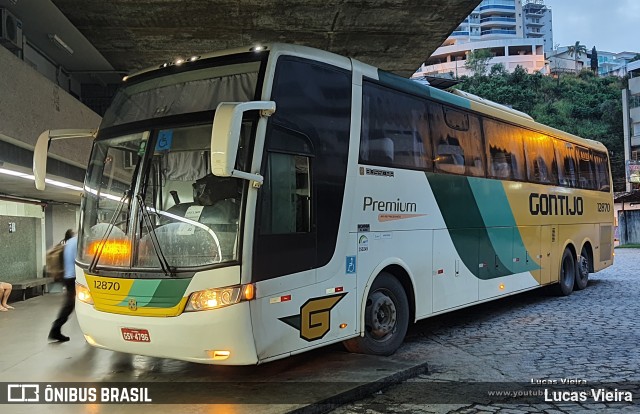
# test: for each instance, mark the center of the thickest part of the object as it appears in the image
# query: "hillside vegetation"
(583, 105)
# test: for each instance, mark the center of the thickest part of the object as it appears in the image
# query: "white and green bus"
(251, 204)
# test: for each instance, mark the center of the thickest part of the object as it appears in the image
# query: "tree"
(576, 51)
(636, 57)
(594, 60)
(478, 61)
(498, 70)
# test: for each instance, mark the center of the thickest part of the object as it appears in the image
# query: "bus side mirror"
(42, 147)
(225, 136)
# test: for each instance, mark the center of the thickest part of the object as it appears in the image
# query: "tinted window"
(541, 165)
(567, 163)
(586, 169)
(505, 156)
(457, 142)
(287, 199)
(601, 165)
(394, 129)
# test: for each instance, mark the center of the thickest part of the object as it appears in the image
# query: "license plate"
(135, 335)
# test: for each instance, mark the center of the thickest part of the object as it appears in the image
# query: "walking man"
(69, 280)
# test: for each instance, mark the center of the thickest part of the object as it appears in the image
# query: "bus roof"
(456, 98)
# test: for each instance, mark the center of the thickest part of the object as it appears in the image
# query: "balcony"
(492, 32)
(459, 33)
(531, 33)
(534, 11)
(532, 23)
(497, 21)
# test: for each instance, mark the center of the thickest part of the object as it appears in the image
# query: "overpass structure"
(395, 35)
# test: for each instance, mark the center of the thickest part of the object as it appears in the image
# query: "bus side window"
(457, 141)
(541, 164)
(602, 171)
(567, 171)
(394, 129)
(505, 155)
(586, 169)
(287, 194)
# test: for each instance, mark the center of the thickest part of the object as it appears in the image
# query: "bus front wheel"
(386, 318)
(582, 271)
(567, 274)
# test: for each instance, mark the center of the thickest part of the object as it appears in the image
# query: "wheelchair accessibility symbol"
(351, 265)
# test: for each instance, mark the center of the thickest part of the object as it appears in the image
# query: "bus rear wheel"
(567, 274)
(582, 270)
(386, 318)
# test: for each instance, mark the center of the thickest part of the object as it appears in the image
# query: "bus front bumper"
(203, 337)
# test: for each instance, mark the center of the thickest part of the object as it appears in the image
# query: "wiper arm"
(166, 268)
(103, 240)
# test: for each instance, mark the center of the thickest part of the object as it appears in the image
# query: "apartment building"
(516, 33)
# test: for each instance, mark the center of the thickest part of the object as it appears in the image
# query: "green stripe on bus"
(142, 291)
(495, 209)
(156, 293)
(496, 214)
(464, 220)
(169, 293)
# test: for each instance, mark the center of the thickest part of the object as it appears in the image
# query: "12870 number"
(106, 285)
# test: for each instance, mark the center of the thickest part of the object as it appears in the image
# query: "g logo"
(133, 304)
(314, 320)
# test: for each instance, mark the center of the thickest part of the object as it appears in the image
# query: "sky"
(609, 25)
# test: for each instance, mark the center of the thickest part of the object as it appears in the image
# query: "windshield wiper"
(103, 240)
(166, 268)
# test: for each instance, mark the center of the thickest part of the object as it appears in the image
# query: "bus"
(247, 205)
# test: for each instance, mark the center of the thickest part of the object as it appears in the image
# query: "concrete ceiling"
(395, 35)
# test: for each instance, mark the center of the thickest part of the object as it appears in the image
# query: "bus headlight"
(83, 294)
(218, 298)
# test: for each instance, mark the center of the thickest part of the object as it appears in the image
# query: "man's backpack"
(55, 262)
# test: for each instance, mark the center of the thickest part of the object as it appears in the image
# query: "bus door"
(453, 282)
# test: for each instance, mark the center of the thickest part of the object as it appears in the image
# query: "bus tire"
(567, 274)
(582, 270)
(386, 318)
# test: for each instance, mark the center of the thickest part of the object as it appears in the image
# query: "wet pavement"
(592, 336)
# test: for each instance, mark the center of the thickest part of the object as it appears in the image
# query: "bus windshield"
(151, 203)
(161, 208)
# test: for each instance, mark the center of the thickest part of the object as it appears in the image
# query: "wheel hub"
(583, 266)
(383, 315)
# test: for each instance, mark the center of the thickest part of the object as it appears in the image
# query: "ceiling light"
(60, 43)
(48, 180)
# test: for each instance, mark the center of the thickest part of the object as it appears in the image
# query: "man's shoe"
(57, 336)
